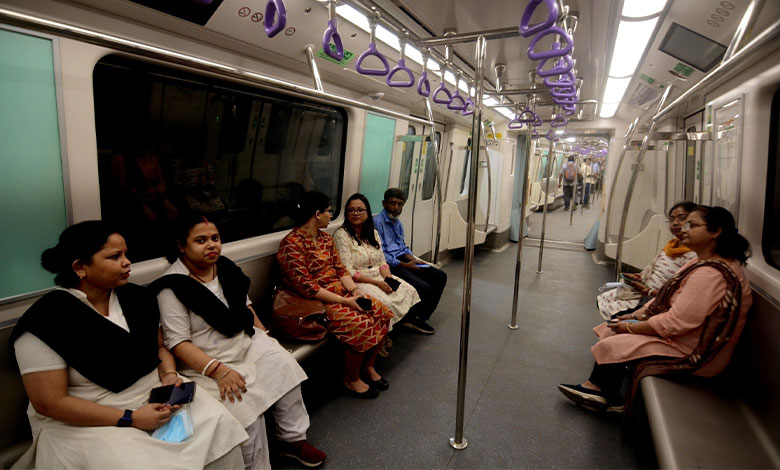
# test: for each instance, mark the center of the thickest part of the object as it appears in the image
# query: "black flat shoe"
(380, 384)
(370, 393)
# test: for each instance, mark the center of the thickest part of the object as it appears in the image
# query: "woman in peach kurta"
(311, 266)
(695, 321)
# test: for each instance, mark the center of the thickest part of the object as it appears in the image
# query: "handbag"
(296, 318)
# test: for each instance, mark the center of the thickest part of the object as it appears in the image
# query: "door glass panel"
(377, 155)
(429, 181)
(407, 160)
(466, 167)
(31, 187)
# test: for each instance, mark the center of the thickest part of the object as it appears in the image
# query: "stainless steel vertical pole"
(437, 235)
(634, 175)
(573, 200)
(547, 171)
(459, 442)
(315, 72)
(626, 144)
(523, 204)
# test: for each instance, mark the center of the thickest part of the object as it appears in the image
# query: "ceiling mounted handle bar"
(275, 8)
(332, 34)
(372, 52)
(527, 30)
(560, 66)
(560, 51)
(559, 121)
(401, 67)
(423, 84)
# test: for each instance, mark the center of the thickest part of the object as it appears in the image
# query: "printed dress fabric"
(310, 265)
(366, 260)
(59, 445)
(654, 276)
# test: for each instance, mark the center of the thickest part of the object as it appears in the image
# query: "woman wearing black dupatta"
(89, 354)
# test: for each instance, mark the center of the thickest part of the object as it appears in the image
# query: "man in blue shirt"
(428, 280)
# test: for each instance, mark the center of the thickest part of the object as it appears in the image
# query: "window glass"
(728, 146)
(466, 166)
(429, 182)
(407, 159)
(771, 238)
(171, 143)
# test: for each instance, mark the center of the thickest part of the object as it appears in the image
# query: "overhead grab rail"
(401, 67)
(372, 52)
(332, 34)
(275, 8)
(457, 103)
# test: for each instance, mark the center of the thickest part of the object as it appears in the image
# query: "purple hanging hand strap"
(527, 117)
(453, 104)
(442, 88)
(533, 55)
(466, 110)
(559, 121)
(424, 85)
(527, 30)
(272, 8)
(565, 79)
(560, 66)
(332, 33)
(563, 92)
(401, 67)
(515, 123)
(372, 52)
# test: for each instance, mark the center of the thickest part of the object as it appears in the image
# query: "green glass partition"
(377, 156)
(31, 189)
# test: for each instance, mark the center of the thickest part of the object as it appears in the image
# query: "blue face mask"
(178, 429)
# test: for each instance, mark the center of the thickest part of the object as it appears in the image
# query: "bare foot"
(590, 385)
(372, 374)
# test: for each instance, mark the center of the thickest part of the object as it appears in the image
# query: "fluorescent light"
(384, 35)
(506, 113)
(489, 101)
(449, 76)
(608, 109)
(353, 16)
(464, 87)
(616, 88)
(570, 139)
(433, 65)
(413, 54)
(631, 40)
(642, 8)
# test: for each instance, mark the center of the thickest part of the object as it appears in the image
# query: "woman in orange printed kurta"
(692, 325)
(311, 266)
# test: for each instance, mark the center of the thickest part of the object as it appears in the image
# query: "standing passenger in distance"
(426, 279)
(586, 169)
(311, 266)
(209, 325)
(90, 352)
(568, 178)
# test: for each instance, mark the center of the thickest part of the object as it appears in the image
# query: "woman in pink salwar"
(691, 326)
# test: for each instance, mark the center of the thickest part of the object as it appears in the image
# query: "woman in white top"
(90, 353)
(360, 248)
(642, 287)
(209, 325)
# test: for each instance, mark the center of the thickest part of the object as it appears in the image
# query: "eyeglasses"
(689, 226)
(679, 218)
(356, 211)
(329, 210)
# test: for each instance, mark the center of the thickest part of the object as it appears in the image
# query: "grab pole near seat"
(626, 144)
(634, 175)
(548, 171)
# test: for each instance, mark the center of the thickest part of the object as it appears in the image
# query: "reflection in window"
(771, 238)
(407, 159)
(429, 182)
(171, 143)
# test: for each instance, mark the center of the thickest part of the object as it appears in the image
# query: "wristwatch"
(126, 420)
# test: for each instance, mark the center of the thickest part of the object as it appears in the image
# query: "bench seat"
(695, 425)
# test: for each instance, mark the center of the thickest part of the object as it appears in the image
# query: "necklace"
(213, 274)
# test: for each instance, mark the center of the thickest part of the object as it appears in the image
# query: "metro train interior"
(472, 109)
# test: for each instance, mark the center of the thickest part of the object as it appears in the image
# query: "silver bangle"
(203, 372)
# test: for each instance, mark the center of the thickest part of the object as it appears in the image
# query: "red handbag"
(298, 319)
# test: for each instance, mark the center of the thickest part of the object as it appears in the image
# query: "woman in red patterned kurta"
(311, 266)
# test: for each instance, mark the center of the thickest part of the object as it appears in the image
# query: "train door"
(692, 185)
(417, 179)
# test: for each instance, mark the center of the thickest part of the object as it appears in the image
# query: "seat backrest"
(756, 362)
(13, 411)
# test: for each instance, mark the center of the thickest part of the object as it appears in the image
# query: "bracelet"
(203, 372)
(628, 327)
(356, 276)
(214, 370)
(223, 375)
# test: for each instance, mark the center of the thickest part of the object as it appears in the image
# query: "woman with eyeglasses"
(312, 268)
(640, 288)
(360, 248)
(690, 327)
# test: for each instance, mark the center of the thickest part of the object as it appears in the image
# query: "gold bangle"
(628, 327)
(224, 375)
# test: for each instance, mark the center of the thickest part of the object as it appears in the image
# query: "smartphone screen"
(364, 303)
(172, 395)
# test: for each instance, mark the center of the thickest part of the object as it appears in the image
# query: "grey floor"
(558, 226)
(514, 415)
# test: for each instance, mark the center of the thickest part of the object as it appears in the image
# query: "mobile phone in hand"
(173, 395)
(364, 303)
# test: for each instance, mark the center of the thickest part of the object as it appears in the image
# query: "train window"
(31, 184)
(429, 181)
(727, 121)
(771, 235)
(466, 165)
(171, 143)
(407, 159)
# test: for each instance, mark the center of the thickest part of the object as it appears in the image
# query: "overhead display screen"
(692, 48)
(195, 11)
